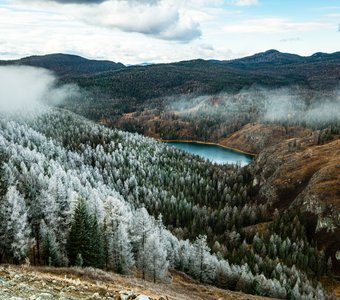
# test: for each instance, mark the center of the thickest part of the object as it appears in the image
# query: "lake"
(214, 153)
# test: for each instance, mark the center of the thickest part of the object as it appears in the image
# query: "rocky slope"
(294, 171)
(300, 174)
(71, 283)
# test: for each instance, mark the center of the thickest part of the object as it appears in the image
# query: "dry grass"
(77, 283)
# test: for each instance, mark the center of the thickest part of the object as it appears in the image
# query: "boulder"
(142, 297)
(43, 296)
(127, 295)
(95, 296)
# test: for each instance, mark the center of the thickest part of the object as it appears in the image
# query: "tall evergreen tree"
(78, 239)
(50, 249)
(96, 256)
(85, 238)
(201, 251)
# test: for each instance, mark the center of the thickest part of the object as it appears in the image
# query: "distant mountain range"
(270, 68)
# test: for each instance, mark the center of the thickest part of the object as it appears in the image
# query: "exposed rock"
(42, 296)
(142, 297)
(95, 296)
(127, 295)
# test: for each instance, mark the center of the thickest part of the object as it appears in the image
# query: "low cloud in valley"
(27, 89)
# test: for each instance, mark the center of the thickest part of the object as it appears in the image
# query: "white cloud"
(290, 39)
(245, 2)
(334, 15)
(163, 19)
(267, 25)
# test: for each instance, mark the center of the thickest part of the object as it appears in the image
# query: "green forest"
(75, 193)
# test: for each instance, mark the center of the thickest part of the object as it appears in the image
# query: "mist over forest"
(25, 88)
(161, 149)
(77, 193)
(292, 105)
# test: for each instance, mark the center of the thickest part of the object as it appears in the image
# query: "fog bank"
(292, 105)
(25, 88)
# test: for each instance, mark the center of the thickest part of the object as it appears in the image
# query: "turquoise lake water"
(214, 153)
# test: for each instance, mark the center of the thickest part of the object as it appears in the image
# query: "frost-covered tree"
(15, 231)
(127, 180)
(201, 267)
(140, 230)
(120, 257)
(154, 255)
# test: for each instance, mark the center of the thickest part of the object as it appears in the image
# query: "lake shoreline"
(207, 143)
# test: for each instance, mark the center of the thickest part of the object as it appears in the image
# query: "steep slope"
(67, 178)
(299, 174)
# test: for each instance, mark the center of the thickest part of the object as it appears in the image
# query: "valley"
(92, 186)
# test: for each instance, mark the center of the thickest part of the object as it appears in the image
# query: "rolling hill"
(66, 64)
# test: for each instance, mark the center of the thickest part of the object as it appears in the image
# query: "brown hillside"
(255, 137)
(297, 174)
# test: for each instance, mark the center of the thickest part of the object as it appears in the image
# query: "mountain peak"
(272, 51)
(271, 56)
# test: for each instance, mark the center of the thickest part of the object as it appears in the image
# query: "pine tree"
(78, 240)
(85, 238)
(50, 249)
(200, 263)
(95, 254)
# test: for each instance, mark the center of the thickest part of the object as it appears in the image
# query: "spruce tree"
(50, 250)
(78, 240)
(95, 254)
(85, 238)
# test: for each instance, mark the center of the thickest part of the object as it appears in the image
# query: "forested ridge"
(78, 193)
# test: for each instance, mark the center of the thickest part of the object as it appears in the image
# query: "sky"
(156, 31)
